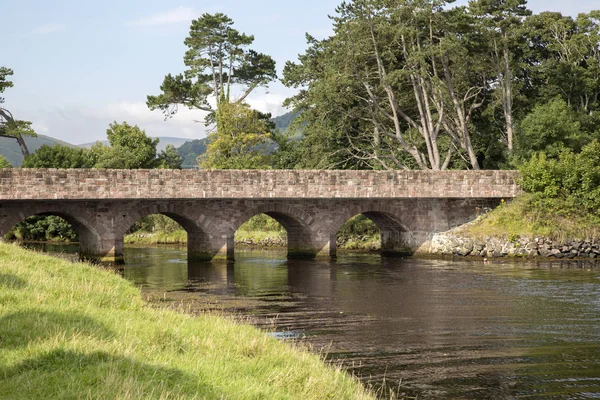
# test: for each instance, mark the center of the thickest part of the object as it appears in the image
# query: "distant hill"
(12, 152)
(283, 121)
(164, 141)
(189, 152)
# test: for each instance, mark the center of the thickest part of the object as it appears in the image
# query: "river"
(417, 328)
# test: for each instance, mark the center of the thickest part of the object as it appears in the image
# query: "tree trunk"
(507, 95)
(22, 145)
(8, 117)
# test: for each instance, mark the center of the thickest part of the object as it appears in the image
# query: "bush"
(573, 180)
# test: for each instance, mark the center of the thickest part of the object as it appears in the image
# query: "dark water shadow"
(20, 328)
(9, 281)
(88, 373)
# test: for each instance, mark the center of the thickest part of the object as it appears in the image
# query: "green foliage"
(358, 225)
(572, 179)
(155, 223)
(169, 158)
(58, 156)
(4, 162)
(4, 82)
(130, 148)
(262, 222)
(43, 228)
(240, 141)
(551, 128)
(217, 59)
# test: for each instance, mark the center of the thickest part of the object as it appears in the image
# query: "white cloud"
(172, 16)
(268, 103)
(46, 29)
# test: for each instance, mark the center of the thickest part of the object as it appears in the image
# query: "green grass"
(72, 331)
(176, 237)
(524, 217)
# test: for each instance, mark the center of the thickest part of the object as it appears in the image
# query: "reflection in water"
(436, 329)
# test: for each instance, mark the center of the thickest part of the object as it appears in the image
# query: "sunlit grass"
(522, 218)
(75, 331)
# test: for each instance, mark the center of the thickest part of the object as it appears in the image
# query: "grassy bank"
(526, 217)
(74, 331)
(253, 238)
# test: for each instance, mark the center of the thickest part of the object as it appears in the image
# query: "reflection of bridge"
(408, 206)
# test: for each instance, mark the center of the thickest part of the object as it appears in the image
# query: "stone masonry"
(408, 206)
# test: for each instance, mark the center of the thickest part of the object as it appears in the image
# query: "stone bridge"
(408, 206)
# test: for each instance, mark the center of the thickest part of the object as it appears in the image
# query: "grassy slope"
(520, 218)
(73, 331)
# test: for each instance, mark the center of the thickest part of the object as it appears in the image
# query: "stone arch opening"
(302, 241)
(164, 227)
(261, 230)
(51, 225)
(376, 230)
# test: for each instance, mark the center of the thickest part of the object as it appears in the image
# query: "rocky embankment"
(453, 243)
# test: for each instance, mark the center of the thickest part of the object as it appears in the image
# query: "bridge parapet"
(103, 184)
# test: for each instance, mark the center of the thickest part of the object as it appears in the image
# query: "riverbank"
(523, 229)
(70, 330)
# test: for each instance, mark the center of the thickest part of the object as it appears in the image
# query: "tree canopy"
(420, 84)
(218, 59)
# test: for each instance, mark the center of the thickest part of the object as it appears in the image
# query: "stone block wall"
(101, 184)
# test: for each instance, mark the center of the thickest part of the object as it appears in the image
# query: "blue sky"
(79, 65)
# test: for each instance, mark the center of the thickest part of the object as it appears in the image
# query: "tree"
(217, 59)
(397, 84)
(58, 156)
(130, 148)
(4, 162)
(500, 21)
(240, 141)
(551, 128)
(9, 126)
(169, 158)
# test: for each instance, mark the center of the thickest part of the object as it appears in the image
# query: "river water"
(418, 328)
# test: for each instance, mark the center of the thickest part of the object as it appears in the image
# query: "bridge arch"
(304, 239)
(396, 234)
(89, 234)
(201, 232)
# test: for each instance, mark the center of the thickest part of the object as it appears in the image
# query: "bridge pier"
(106, 250)
(201, 247)
(310, 246)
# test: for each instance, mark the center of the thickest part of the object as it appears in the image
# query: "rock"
(463, 251)
(531, 246)
(555, 253)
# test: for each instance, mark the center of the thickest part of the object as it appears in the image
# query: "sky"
(80, 65)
